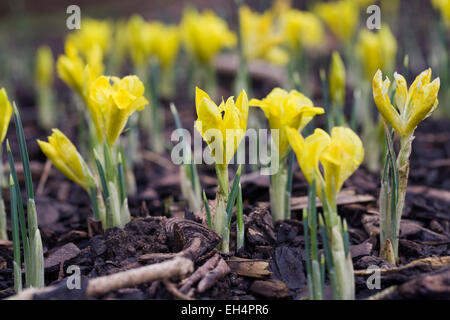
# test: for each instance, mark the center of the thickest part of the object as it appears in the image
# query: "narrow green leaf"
(121, 175)
(240, 220)
(233, 194)
(307, 251)
(208, 212)
(19, 206)
(15, 236)
(23, 152)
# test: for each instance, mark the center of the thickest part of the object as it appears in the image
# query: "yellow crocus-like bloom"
(5, 113)
(341, 17)
(302, 29)
(413, 105)
(444, 7)
(260, 39)
(92, 33)
(139, 35)
(283, 110)
(205, 34)
(339, 155)
(165, 43)
(377, 50)
(73, 70)
(223, 125)
(337, 79)
(112, 104)
(44, 66)
(65, 157)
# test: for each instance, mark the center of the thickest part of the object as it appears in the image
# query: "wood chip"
(251, 268)
(432, 263)
(270, 288)
(65, 253)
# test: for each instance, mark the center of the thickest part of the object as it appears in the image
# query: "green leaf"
(240, 220)
(233, 195)
(208, 211)
(23, 152)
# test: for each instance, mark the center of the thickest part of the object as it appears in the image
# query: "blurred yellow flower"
(283, 110)
(341, 17)
(112, 104)
(44, 66)
(165, 43)
(139, 37)
(75, 72)
(337, 79)
(444, 7)
(413, 105)
(260, 39)
(377, 50)
(5, 116)
(65, 157)
(222, 127)
(339, 155)
(92, 33)
(205, 34)
(302, 29)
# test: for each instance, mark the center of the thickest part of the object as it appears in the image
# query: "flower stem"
(278, 184)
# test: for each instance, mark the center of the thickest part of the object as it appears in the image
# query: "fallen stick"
(177, 267)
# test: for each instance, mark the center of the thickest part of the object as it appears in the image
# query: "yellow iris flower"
(339, 155)
(92, 33)
(225, 131)
(139, 36)
(73, 70)
(302, 29)
(205, 34)
(377, 50)
(166, 43)
(341, 17)
(286, 109)
(413, 105)
(44, 66)
(337, 79)
(65, 157)
(260, 39)
(112, 104)
(5, 115)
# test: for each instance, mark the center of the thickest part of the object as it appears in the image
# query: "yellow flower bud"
(339, 155)
(112, 104)
(5, 114)
(283, 110)
(205, 34)
(44, 66)
(223, 125)
(65, 157)
(337, 79)
(412, 106)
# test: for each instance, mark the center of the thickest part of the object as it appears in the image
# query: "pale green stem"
(220, 215)
(403, 173)
(278, 183)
